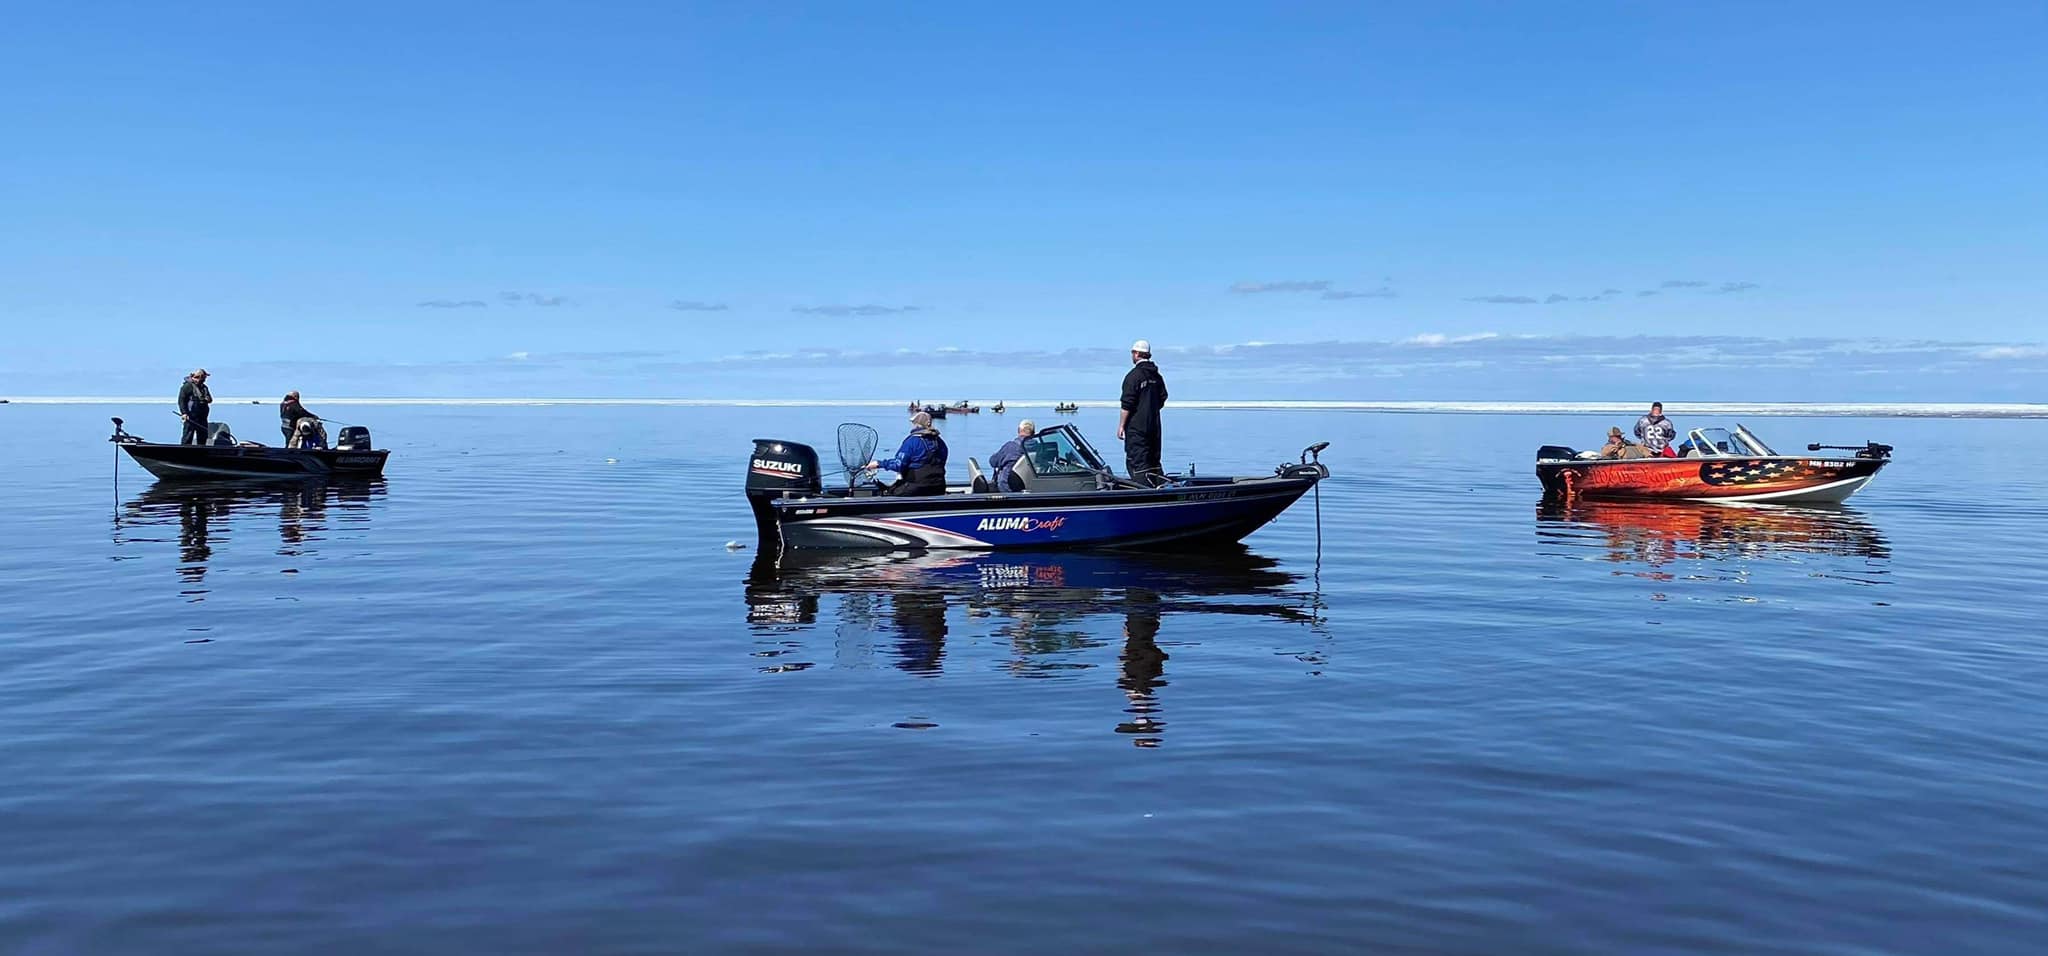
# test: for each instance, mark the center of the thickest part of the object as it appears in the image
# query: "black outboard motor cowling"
(778, 468)
(353, 438)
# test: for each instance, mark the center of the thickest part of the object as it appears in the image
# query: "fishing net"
(856, 449)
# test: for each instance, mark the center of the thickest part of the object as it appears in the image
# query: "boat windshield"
(1720, 442)
(1060, 450)
(1756, 445)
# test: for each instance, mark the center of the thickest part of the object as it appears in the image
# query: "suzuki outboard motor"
(353, 438)
(778, 469)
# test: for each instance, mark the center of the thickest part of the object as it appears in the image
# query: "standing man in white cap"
(1138, 426)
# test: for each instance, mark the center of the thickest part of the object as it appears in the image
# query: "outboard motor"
(353, 438)
(778, 469)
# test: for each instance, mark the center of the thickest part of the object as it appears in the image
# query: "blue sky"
(664, 199)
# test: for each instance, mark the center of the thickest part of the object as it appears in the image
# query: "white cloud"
(2013, 352)
(1287, 285)
(1438, 339)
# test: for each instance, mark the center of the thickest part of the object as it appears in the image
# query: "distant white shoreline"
(1815, 409)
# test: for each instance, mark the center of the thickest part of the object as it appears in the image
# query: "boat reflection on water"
(1664, 534)
(204, 511)
(1051, 611)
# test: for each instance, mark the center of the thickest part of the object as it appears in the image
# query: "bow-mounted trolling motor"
(778, 469)
(121, 436)
(1311, 465)
(1871, 451)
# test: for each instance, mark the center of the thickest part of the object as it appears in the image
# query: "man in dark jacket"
(1001, 465)
(1138, 426)
(921, 461)
(289, 412)
(194, 401)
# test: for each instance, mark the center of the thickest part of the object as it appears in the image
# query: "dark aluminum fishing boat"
(224, 457)
(1072, 501)
(1716, 465)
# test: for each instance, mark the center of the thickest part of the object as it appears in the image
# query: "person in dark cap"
(921, 461)
(1138, 426)
(195, 400)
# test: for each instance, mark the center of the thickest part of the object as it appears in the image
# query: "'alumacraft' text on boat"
(1715, 465)
(1072, 500)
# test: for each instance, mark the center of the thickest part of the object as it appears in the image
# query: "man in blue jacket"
(921, 461)
(1005, 459)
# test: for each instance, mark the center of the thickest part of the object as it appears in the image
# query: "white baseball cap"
(1142, 346)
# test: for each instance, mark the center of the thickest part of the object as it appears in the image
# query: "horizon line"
(1844, 409)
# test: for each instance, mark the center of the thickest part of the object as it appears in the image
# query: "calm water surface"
(521, 698)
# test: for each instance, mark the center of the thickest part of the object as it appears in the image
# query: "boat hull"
(1221, 512)
(200, 462)
(1771, 479)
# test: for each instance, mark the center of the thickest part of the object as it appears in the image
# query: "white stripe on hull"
(1834, 492)
(164, 469)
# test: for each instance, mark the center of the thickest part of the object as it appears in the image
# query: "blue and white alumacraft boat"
(1072, 500)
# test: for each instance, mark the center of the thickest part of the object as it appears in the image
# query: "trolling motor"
(1868, 450)
(122, 437)
(1311, 465)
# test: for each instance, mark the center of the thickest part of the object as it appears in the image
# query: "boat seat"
(1026, 474)
(1056, 481)
(977, 483)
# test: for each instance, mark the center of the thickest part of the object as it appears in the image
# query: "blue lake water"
(520, 697)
